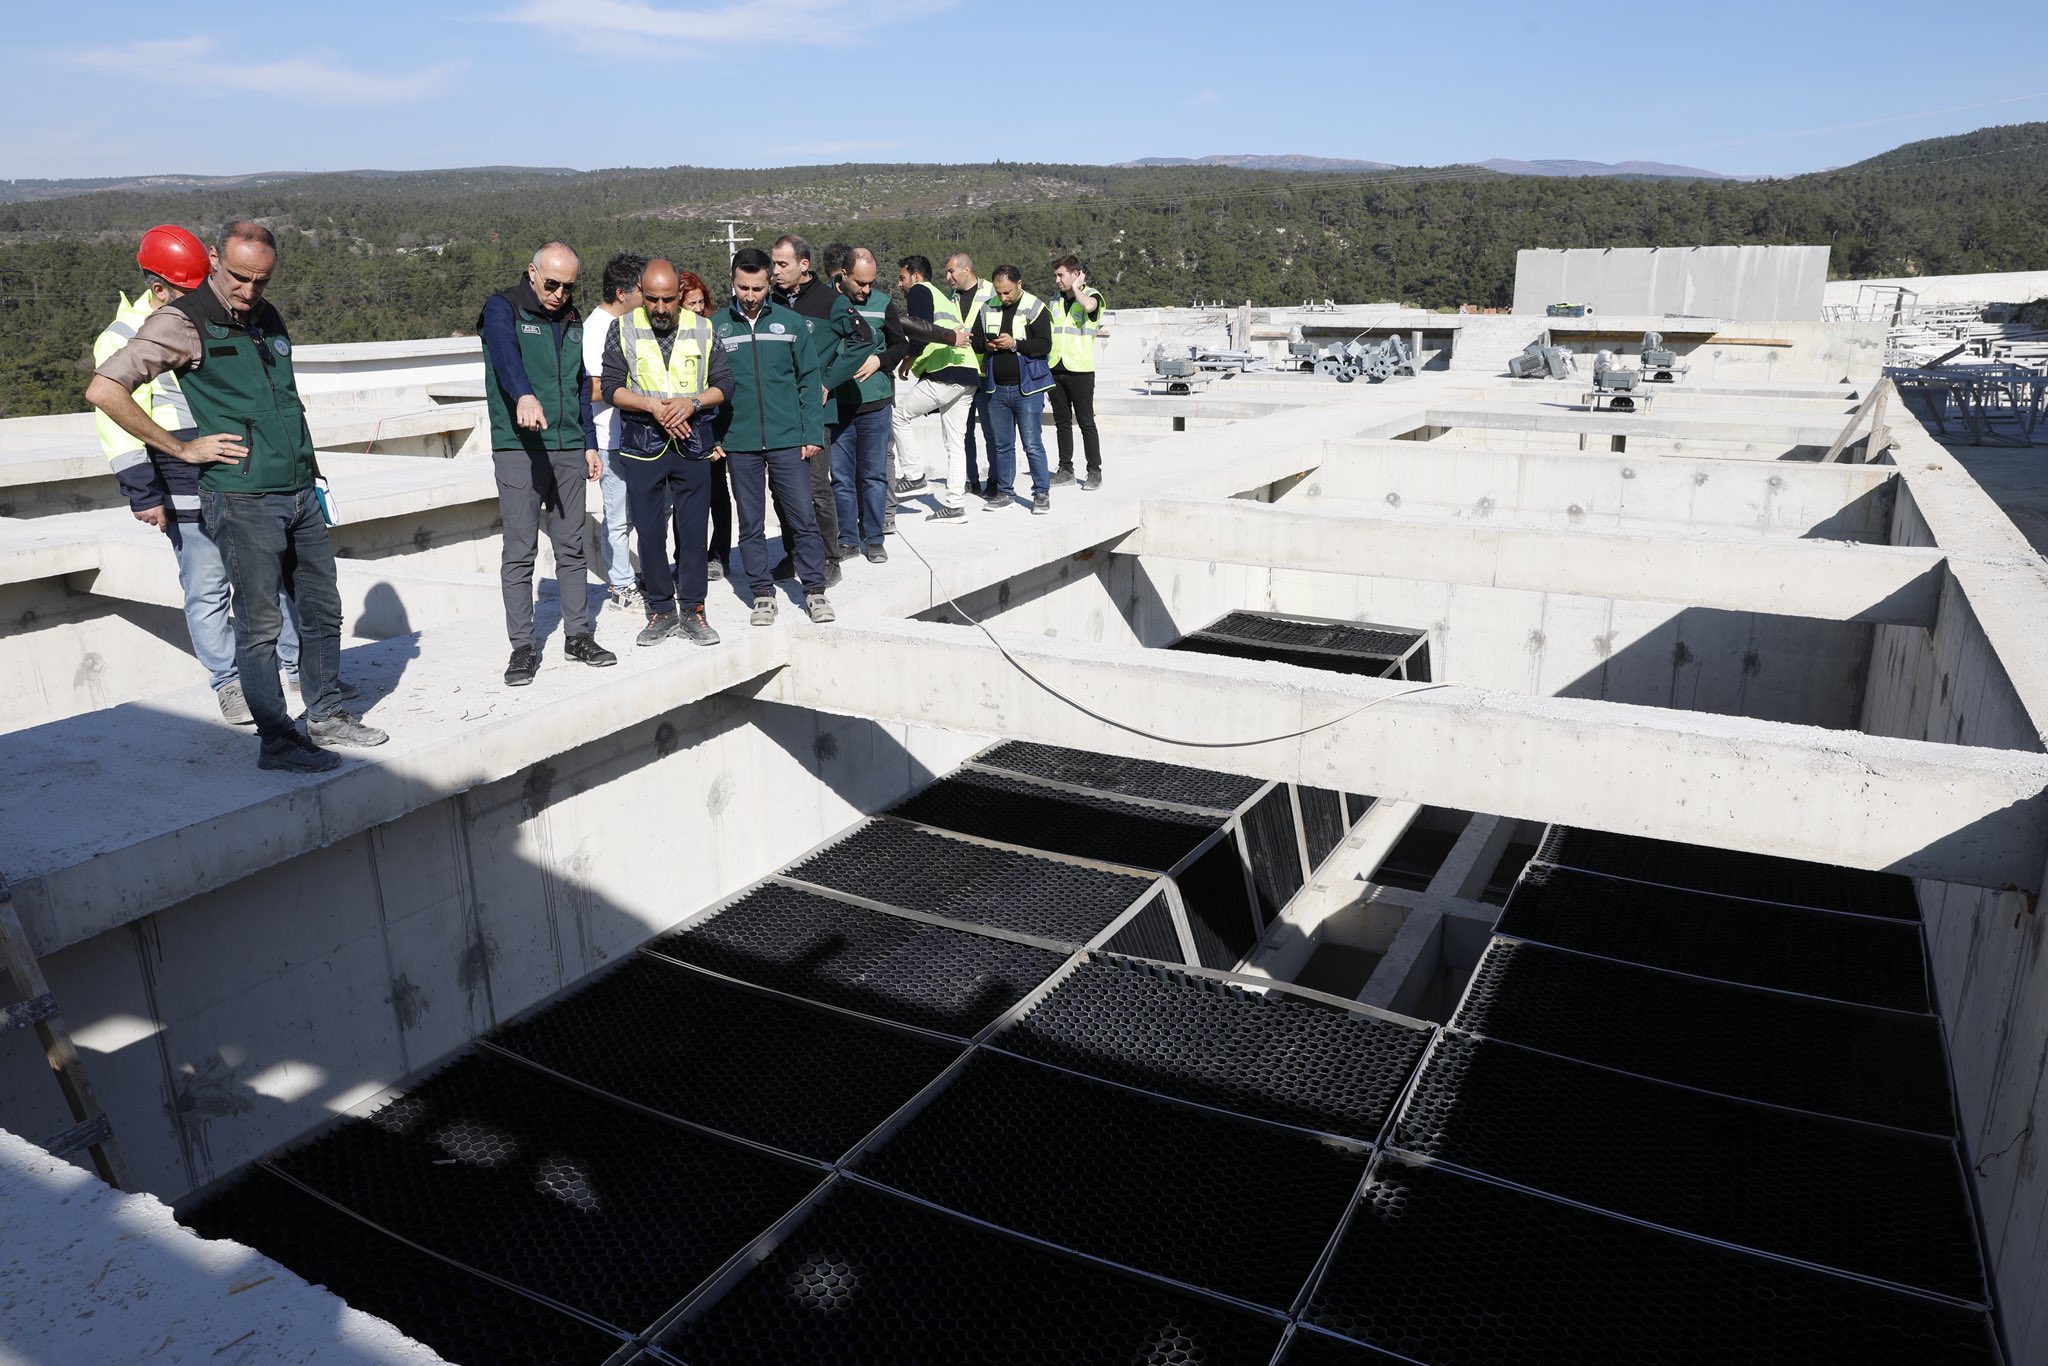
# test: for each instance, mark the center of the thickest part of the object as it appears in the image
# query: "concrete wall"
(223, 1026)
(1740, 283)
(64, 651)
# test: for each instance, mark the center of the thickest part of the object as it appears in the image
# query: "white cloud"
(610, 25)
(312, 80)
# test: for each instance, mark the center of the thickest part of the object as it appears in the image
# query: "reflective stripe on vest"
(686, 371)
(161, 398)
(1073, 332)
(1028, 309)
(938, 356)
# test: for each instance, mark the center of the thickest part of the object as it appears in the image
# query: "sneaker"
(660, 626)
(586, 649)
(996, 502)
(1063, 475)
(847, 551)
(906, 489)
(833, 574)
(696, 630)
(1041, 503)
(343, 729)
(785, 568)
(1093, 481)
(946, 514)
(625, 599)
(875, 554)
(294, 753)
(525, 664)
(714, 570)
(764, 612)
(234, 708)
(820, 610)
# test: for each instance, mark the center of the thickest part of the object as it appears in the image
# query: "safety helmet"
(169, 251)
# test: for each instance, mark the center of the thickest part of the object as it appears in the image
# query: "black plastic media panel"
(1149, 933)
(1758, 876)
(1352, 647)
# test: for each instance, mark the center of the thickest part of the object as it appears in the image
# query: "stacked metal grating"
(895, 1105)
(1350, 647)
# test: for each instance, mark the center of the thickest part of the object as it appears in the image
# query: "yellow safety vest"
(161, 398)
(686, 371)
(946, 313)
(1073, 332)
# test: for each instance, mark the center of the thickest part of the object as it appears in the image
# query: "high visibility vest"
(685, 373)
(1073, 332)
(161, 398)
(1034, 376)
(946, 313)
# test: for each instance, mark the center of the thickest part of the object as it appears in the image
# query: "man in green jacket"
(257, 499)
(771, 424)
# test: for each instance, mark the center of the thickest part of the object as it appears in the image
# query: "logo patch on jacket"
(530, 329)
(775, 327)
(280, 345)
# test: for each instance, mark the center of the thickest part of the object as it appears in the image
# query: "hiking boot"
(234, 708)
(696, 630)
(820, 610)
(1063, 475)
(1041, 503)
(833, 574)
(660, 626)
(764, 612)
(946, 514)
(714, 570)
(525, 664)
(343, 729)
(875, 554)
(294, 753)
(626, 599)
(1093, 481)
(909, 488)
(586, 649)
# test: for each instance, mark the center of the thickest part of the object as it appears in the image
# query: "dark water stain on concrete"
(407, 1001)
(665, 739)
(1752, 663)
(1680, 655)
(537, 790)
(825, 748)
(720, 795)
(474, 970)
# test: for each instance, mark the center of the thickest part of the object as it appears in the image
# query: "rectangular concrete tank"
(1744, 284)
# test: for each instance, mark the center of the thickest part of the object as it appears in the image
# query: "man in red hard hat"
(163, 492)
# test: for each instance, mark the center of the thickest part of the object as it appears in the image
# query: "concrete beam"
(1534, 417)
(1954, 813)
(1471, 860)
(1828, 580)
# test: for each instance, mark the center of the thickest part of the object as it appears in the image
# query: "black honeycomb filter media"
(871, 1280)
(1845, 958)
(1322, 822)
(995, 806)
(1458, 1272)
(1275, 854)
(468, 1320)
(608, 1211)
(793, 1076)
(1330, 661)
(888, 966)
(1272, 1056)
(1149, 934)
(1762, 877)
(1123, 777)
(1356, 804)
(1132, 1179)
(974, 883)
(1823, 1056)
(1212, 890)
(1350, 637)
(1871, 1201)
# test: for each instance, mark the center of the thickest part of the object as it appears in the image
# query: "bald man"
(662, 372)
(544, 450)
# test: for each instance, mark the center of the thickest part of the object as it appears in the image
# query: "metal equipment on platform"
(1540, 359)
(1660, 363)
(1353, 360)
(1615, 386)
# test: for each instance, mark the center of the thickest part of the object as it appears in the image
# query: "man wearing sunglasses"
(544, 449)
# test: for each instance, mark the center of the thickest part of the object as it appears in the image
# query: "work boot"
(234, 708)
(946, 514)
(1093, 481)
(1063, 475)
(525, 664)
(875, 554)
(294, 753)
(1041, 503)
(343, 729)
(820, 610)
(906, 489)
(586, 649)
(714, 570)
(660, 626)
(696, 630)
(764, 612)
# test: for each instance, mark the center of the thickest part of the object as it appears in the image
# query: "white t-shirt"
(595, 329)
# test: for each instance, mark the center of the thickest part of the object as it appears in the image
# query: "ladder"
(92, 1131)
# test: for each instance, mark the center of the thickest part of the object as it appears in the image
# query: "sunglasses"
(565, 286)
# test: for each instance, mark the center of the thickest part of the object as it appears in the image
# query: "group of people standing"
(691, 419)
(802, 389)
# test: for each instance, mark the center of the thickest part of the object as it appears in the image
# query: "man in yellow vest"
(662, 371)
(1076, 320)
(939, 379)
(164, 493)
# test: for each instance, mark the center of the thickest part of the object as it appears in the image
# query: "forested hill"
(412, 255)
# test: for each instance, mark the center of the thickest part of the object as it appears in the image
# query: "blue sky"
(1777, 88)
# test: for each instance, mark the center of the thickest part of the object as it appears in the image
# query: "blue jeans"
(276, 544)
(618, 526)
(1012, 414)
(751, 473)
(860, 474)
(204, 577)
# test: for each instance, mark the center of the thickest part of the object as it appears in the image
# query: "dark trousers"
(824, 505)
(721, 513)
(537, 490)
(669, 493)
(860, 474)
(753, 473)
(1073, 400)
(979, 422)
(273, 543)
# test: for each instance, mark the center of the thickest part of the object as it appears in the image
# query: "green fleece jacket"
(776, 378)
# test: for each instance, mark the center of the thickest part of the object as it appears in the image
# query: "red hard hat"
(175, 254)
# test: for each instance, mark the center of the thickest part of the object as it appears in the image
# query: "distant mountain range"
(18, 191)
(1295, 161)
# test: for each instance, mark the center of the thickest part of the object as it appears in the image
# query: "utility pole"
(732, 239)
